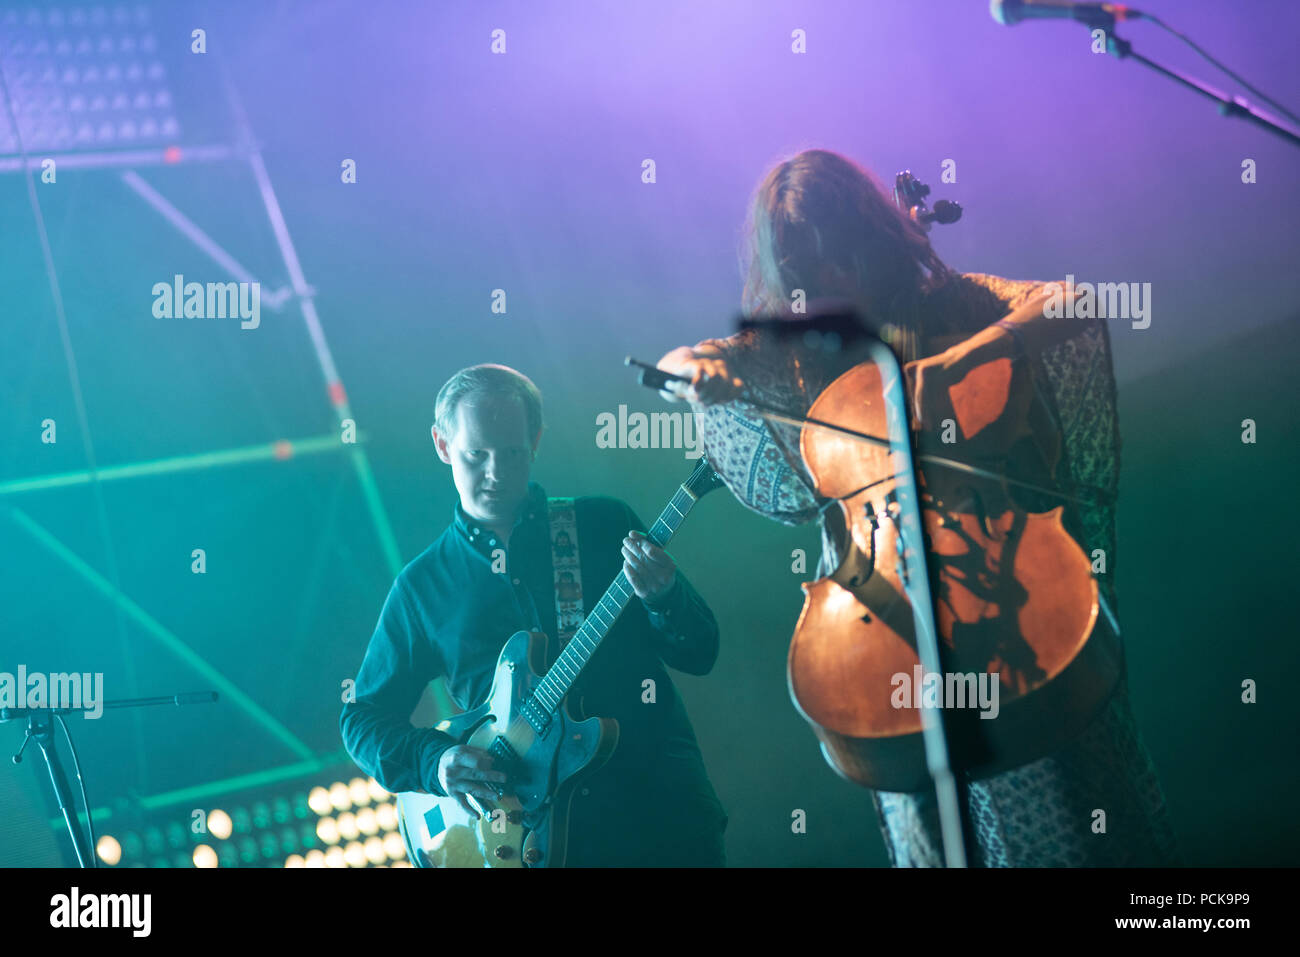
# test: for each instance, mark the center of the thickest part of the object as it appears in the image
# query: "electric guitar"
(530, 734)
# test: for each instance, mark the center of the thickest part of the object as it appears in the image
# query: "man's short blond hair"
(487, 379)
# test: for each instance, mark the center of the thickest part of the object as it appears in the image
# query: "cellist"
(819, 227)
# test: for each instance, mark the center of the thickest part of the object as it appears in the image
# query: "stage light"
(339, 796)
(263, 831)
(395, 847)
(293, 860)
(74, 88)
(205, 856)
(319, 801)
(176, 835)
(280, 811)
(348, 825)
(377, 792)
(219, 824)
(261, 815)
(327, 829)
(109, 850)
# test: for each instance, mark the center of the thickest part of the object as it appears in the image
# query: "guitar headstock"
(703, 479)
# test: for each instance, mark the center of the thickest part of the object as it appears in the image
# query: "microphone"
(1010, 12)
(197, 697)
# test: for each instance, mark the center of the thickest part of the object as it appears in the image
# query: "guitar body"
(529, 825)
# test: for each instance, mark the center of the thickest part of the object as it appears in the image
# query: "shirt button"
(586, 791)
(515, 580)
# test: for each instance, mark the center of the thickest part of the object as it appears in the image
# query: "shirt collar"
(475, 532)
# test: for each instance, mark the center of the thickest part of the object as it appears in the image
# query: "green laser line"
(158, 632)
(371, 493)
(242, 782)
(178, 463)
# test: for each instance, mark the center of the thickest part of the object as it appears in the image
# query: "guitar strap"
(568, 570)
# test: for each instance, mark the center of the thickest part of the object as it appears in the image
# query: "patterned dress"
(1043, 813)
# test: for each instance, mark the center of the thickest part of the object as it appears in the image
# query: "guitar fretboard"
(550, 691)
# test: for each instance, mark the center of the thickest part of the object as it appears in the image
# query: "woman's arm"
(712, 382)
(741, 445)
(985, 383)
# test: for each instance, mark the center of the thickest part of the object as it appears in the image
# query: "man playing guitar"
(490, 574)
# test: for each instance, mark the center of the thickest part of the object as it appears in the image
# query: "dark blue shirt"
(448, 615)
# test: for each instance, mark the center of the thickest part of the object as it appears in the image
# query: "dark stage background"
(523, 172)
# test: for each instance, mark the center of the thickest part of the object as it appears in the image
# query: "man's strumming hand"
(464, 770)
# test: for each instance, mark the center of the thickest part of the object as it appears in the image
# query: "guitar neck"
(550, 691)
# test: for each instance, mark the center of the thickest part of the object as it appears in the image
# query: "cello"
(1013, 598)
(1008, 593)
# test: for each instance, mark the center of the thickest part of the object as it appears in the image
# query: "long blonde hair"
(821, 223)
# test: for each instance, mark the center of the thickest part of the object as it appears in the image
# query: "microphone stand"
(1228, 105)
(40, 728)
(914, 573)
